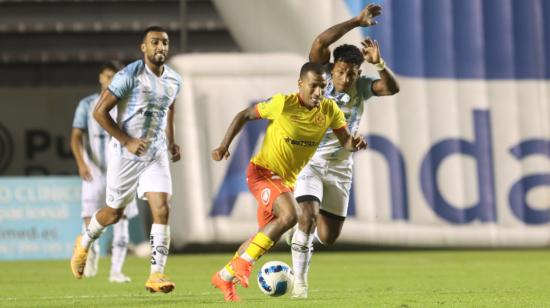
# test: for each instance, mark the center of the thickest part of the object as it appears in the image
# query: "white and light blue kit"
(328, 175)
(145, 99)
(96, 145)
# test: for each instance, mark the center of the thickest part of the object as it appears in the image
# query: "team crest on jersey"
(265, 195)
(319, 119)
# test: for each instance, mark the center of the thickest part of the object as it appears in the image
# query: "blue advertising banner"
(39, 217)
(458, 158)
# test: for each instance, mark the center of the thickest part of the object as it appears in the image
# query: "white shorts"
(329, 183)
(127, 177)
(93, 196)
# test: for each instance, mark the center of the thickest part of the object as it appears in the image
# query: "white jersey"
(352, 105)
(143, 108)
(95, 137)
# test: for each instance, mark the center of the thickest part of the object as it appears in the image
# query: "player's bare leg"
(284, 211)
(100, 220)
(285, 217)
(329, 228)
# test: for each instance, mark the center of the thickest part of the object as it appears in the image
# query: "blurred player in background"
(89, 146)
(323, 186)
(144, 93)
(298, 123)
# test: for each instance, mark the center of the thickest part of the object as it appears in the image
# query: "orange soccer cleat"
(158, 282)
(227, 288)
(78, 260)
(242, 270)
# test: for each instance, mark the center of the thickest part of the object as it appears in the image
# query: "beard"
(158, 58)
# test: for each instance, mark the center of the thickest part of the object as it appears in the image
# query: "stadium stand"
(62, 42)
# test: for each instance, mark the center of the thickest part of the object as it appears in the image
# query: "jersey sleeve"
(271, 108)
(81, 115)
(338, 119)
(122, 83)
(364, 86)
(180, 85)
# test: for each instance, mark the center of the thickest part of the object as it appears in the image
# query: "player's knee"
(161, 211)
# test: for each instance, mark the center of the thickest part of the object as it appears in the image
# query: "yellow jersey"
(294, 133)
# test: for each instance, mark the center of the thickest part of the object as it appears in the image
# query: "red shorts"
(266, 186)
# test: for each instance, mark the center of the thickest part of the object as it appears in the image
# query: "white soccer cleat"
(299, 290)
(119, 278)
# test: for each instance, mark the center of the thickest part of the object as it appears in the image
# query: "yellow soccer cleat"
(158, 282)
(78, 260)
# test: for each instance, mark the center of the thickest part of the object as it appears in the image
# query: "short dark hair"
(348, 54)
(153, 29)
(316, 68)
(114, 66)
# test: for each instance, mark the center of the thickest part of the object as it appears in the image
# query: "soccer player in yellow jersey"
(323, 186)
(298, 122)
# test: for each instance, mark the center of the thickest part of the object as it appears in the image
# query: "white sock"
(121, 238)
(160, 244)
(92, 233)
(302, 250)
(92, 261)
(94, 249)
(226, 275)
(248, 258)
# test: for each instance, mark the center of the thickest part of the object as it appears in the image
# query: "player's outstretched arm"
(222, 152)
(351, 143)
(320, 53)
(387, 84)
(108, 101)
(174, 149)
(77, 137)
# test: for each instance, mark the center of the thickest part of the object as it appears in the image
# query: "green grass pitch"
(450, 278)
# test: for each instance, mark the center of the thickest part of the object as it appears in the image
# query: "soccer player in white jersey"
(323, 186)
(142, 140)
(89, 146)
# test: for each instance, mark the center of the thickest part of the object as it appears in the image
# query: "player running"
(323, 186)
(89, 146)
(298, 123)
(143, 137)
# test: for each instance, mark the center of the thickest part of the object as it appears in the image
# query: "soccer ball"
(275, 278)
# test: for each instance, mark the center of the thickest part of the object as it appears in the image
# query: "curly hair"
(348, 54)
